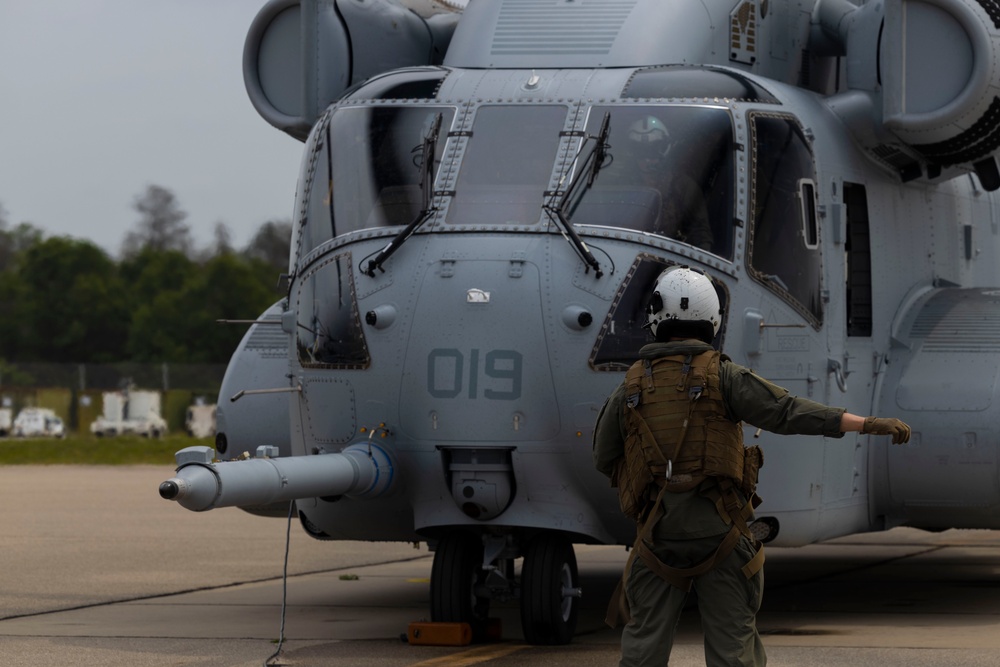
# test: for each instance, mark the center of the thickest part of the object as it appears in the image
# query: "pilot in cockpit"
(666, 162)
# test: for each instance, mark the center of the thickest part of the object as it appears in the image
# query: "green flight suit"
(691, 528)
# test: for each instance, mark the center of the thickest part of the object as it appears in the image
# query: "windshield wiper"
(571, 198)
(428, 156)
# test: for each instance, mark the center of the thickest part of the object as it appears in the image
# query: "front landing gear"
(466, 575)
(549, 590)
(456, 575)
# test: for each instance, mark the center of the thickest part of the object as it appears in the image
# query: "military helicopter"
(487, 193)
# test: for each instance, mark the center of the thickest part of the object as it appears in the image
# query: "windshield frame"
(456, 135)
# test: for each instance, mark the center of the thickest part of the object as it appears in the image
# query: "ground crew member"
(670, 438)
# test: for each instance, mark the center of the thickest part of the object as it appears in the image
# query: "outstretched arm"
(766, 405)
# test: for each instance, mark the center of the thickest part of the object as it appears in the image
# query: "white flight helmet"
(650, 135)
(648, 130)
(684, 295)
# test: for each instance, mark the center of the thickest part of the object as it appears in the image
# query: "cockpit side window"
(668, 171)
(364, 169)
(313, 227)
(328, 330)
(507, 165)
(784, 247)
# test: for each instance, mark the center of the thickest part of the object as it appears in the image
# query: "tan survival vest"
(674, 411)
(677, 435)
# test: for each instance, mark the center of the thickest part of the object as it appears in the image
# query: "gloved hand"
(899, 431)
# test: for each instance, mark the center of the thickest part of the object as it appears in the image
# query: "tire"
(455, 574)
(548, 611)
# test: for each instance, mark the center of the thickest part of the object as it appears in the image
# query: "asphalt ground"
(97, 570)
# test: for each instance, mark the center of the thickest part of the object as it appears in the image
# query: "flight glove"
(899, 431)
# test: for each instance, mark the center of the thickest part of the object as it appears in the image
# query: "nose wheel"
(456, 575)
(550, 593)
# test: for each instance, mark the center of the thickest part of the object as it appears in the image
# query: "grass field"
(88, 449)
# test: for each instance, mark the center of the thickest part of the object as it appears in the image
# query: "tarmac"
(98, 570)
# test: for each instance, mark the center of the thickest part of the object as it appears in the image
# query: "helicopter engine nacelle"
(924, 83)
(302, 55)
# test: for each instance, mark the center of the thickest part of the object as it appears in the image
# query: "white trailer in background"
(136, 411)
(111, 421)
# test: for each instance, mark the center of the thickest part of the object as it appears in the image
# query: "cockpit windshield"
(507, 165)
(668, 171)
(367, 170)
(665, 169)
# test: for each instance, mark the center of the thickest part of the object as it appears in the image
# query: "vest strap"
(683, 578)
(685, 371)
(754, 565)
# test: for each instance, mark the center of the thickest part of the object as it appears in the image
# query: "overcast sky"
(100, 98)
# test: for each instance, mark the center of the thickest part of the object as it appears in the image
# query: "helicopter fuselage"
(480, 352)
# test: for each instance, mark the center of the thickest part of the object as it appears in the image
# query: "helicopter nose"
(492, 375)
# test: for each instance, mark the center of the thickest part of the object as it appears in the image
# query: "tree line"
(66, 300)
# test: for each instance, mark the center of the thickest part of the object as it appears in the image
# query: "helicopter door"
(783, 335)
(784, 256)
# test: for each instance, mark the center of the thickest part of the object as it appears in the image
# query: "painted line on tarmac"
(472, 656)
